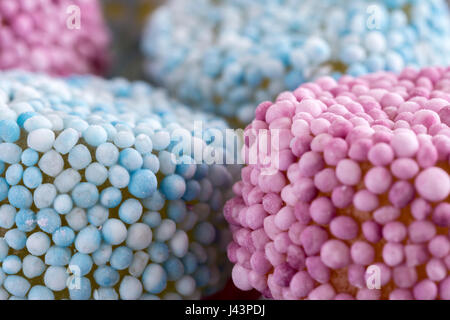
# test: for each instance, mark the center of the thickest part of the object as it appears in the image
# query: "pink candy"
(45, 37)
(361, 190)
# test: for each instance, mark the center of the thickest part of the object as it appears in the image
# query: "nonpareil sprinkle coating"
(101, 194)
(346, 191)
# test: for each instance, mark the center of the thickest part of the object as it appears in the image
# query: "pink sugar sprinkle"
(362, 184)
(38, 37)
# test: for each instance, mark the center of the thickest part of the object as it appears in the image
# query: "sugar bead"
(102, 255)
(378, 180)
(143, 184)
(83, 291)
(88, 240)
(10, 153)
(16, 239)
(114, 231)
(63, 236)
(55, 278)
(41, 140)
(110, 197)
(173, 187)
(16, 285)
(85, 195)
(32, 177)
(20, 197)
(381, 154)
(121, 258)
(348, 172)
(25, 220)
(57, 256)
(48, 220)
(154, 278)
(96, 173)
(130, 159)
(66, 140)
(7, 216)
(139, 236)
(130, 288)
(83, 262)
(14, 174)
(118, 176)
(11, 264)
(79, 157)
(95, 135)
(38, 243)
(107, 154)
(9, 131)
(32, 266)
(51, 163)
(433, 184)
(77, 219)
(130, 211)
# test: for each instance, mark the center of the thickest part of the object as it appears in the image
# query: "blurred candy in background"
(226, 56)
(126, 19)
(57, 37)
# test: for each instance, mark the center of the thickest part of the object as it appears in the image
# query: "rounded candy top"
(104, 179)
(363, 211)
(249, 51)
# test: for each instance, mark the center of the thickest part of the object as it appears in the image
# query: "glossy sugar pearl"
(56, 37)
(355, 201)
(249, 51)
(98, 198)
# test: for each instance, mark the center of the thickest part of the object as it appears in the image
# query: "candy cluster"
(354, 203)
(58, 37)
(230, 55)
(98, 199)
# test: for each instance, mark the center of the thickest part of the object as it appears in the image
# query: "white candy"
(67, 180)
(185, 286)
(165, 230)
(44, 195)
(139, 263)
(179, 243)
(77, 219)
(51, 163)
(41, 139)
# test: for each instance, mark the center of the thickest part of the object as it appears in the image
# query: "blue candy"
(88, 240)
(143, 183)
(106, 276)
(121, 258)
(63, 236)
(173, 187)
(74, 203)
(14, 174)
(9, 131)
(81, 261)
(39, 292)
(250, 51)
(32, 177)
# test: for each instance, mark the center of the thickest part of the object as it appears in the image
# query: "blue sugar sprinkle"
(143, 183)
(9, 131)
(29, 157)
(173, 187)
